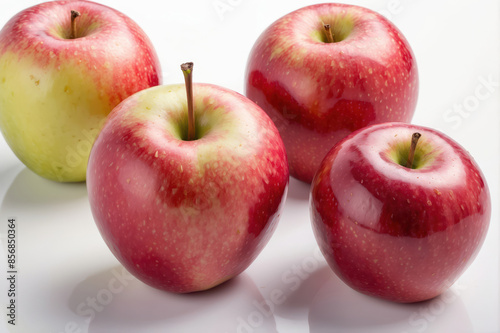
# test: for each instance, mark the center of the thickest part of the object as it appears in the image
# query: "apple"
(64, 65)
(316, 91)
(398, 229)
(186, 214)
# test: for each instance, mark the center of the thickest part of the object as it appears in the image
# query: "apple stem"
(74, 15)
(187, 69)
(328, 33)
(411, 154)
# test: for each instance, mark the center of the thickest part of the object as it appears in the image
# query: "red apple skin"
(317, 93)
(388, 231)
(75, 82)
(185, 216)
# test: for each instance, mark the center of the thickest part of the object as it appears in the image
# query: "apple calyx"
(411, 154)
(187, 69)
(74, 15)
(328, 33)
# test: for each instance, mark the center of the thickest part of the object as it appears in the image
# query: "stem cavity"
(74, 15)
(411, 154)
(328, 33)
(187, 69)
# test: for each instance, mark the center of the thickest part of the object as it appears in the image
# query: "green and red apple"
(56, 89)
(186, 214)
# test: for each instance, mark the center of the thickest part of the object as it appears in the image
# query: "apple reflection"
(115, 301)
(338, 308)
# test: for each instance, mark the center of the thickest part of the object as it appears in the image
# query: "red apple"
(399, 233)
(186, 215)
(318, 92)
(61, 75)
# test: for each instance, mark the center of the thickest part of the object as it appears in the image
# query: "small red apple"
(316, 91)
(185, 213)
(397, 230)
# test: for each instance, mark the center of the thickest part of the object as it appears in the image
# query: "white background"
(64, 263)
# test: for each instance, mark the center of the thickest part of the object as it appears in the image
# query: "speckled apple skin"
(185, 216)
(55, 92)
(401, 234)
(317, 93)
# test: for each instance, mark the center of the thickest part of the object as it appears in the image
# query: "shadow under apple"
(298, 300)
(298, 190)
(41, 207)
(337, 307)
(115, 301)
(30, 191)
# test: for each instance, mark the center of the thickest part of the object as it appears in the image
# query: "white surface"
(64, 264)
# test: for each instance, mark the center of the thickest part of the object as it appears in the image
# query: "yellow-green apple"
(317, 91)
(397, 230)
(186, 215)
(56, 89)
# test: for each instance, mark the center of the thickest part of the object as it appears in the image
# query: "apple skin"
(185, 216)
(316, 92)
(55, 92)
(388, 231)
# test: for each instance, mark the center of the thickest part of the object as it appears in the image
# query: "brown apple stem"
(411, 154)
(74, 15)
(187, 69)
(328, 33)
